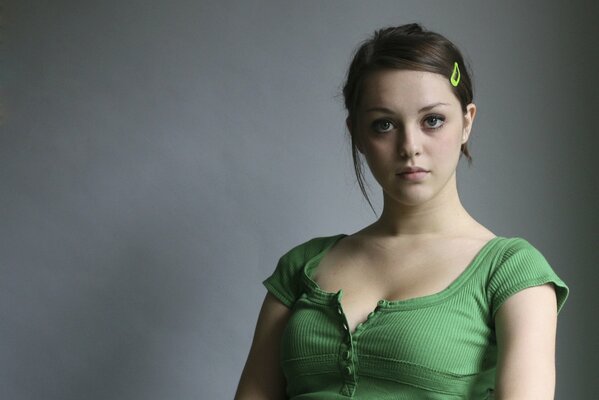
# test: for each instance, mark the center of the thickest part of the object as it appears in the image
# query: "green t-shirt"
(441, 346)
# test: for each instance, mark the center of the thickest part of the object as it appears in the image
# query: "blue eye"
(382, 125)
(435, 118)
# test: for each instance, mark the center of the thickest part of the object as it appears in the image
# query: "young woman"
(424, 303)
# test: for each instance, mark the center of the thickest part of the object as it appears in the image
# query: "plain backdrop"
(158, 157)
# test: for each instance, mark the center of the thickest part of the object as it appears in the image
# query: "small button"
(348, 370)
(345, 326)
(347, 354)
(339, 310)
(382, 303)
(371, 314)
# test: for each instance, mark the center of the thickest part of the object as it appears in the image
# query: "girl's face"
(411, 119)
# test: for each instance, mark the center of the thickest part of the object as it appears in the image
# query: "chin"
(411, 198)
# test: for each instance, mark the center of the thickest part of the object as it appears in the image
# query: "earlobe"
(360, 149)
(465, 134)
(468, 120)
(348, 124)
(358, 144)
(352, 134)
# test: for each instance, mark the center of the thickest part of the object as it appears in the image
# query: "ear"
(354, 135)
(468, 121)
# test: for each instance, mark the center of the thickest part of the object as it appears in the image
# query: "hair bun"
(412, 28)
(394, 31)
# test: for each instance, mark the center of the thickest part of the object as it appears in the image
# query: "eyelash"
(437, 117)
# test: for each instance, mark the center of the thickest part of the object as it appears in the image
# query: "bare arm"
(262, 378)
(526, 327)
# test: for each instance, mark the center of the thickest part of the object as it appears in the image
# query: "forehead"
(405, 89)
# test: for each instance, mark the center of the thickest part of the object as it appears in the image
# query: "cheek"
(444, 152)
(378, 156)
(451, 140)
(375, 146)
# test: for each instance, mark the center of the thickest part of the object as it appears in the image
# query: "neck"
(442, 215)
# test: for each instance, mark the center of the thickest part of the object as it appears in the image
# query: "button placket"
(346, 361)
(360, 327)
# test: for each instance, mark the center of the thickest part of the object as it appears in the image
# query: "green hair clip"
(455, 75)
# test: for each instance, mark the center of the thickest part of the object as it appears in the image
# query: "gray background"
(157, 158)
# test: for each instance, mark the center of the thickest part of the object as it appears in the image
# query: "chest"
(440, 343)
(406, 273)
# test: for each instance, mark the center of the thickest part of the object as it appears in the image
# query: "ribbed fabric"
(441, 346)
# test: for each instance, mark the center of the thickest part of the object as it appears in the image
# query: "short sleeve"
(521, 266)
(284, 282)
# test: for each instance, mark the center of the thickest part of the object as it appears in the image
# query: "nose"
(409, 144)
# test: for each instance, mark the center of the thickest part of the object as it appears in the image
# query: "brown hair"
(408, 47)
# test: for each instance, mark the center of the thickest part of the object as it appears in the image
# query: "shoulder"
(514, 255)
(517, 244)
(519, 265)
(305, 250)
(285, 282)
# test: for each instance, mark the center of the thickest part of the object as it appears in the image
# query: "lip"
(411, 169)
(413, 176)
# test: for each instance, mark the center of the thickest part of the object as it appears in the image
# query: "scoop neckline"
(319, 295)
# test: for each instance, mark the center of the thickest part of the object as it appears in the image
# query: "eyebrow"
(426, 108)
